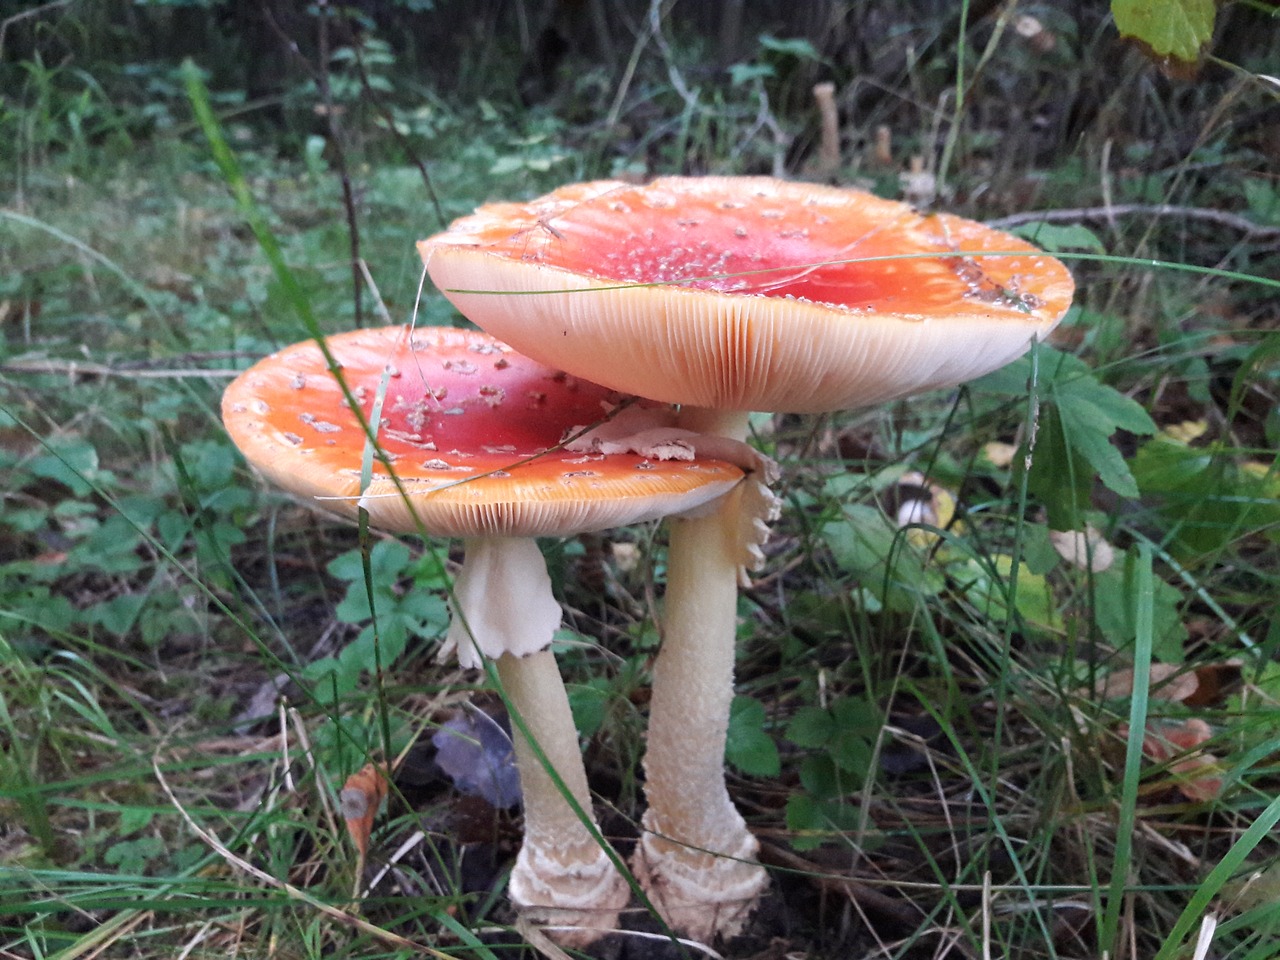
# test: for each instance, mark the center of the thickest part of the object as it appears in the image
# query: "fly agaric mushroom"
(728, 295)
(472, 431)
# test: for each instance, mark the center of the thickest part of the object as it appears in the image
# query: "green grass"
(936, 715)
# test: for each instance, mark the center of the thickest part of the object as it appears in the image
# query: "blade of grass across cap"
(1216, 273)
(367, 456)
(1138, 708)
(229, 167)
(232, 173)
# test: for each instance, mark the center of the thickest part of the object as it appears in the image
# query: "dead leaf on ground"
(1086, 549)
(1198, 774)
(361, 796)
(1174, 683)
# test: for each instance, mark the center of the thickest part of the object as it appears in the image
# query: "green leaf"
(790, 46)
(811, 727)
(132, 856)
(71, 461)
(1078, 386)
(588, 703)
(811, 821)
(748, 746)
(1078, 417)
(823, 779)
(852, 753)
(1113, 610)
(1205, 498)
(119, 614)
(1038, 553)
(1088, 433)
(1171, 28)
(742, 73)
(1055, 237)
(1263, 199)
(868, 545)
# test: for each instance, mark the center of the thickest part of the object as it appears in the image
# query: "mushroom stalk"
(508, 613)
(561, 868)
(696, 855)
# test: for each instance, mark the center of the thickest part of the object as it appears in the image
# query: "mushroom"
(469, 436)
(728, 295)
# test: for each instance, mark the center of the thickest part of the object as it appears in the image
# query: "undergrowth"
(961, 730)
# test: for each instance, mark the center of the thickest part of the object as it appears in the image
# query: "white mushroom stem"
(696, 855)
(561, 868)
(509, 614)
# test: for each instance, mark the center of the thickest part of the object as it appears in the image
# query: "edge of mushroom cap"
(745, 355)
(531, 505)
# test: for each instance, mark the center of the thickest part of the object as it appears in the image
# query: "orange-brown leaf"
(360, 797)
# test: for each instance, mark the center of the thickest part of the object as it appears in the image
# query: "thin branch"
(76, 368)
(320, 76)
(26, 15)
(400, 138)
(1221, 217)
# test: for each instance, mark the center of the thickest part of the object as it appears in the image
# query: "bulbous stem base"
(562, 873)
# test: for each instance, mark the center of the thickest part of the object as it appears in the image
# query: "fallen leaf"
(1197, 773)
(921, 501)
(1169, 681)
(1205, 685)
(360, 797)
(1086, 549)
(475, 751)
(1186, 431)
(1000, 454)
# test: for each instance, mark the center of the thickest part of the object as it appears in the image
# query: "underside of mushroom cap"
(472, 429)
(748, 293)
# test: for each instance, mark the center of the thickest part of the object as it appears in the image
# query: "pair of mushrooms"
(722, 295)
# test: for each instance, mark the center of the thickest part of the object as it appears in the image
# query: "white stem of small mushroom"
(504, 595)
(696, 855)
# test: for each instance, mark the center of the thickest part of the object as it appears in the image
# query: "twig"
(1221, 217)
(400, 138)
(26, 15)
(77, 368)
(320, 76)
(690, 97)
(904, 913)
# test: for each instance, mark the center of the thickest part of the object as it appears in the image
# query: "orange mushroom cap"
(472, 430)
(748, 293)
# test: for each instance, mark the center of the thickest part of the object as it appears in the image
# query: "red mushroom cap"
(745, 293)
(472, 429)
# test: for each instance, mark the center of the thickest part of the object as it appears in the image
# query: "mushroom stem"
(696, 856)
(509, 614)
(561, 868)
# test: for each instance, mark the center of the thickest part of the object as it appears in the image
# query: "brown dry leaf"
(1215, 679)
(1168, 682)
(1205, 685)
(360, 797)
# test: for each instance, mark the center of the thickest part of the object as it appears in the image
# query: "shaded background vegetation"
(908, 730)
